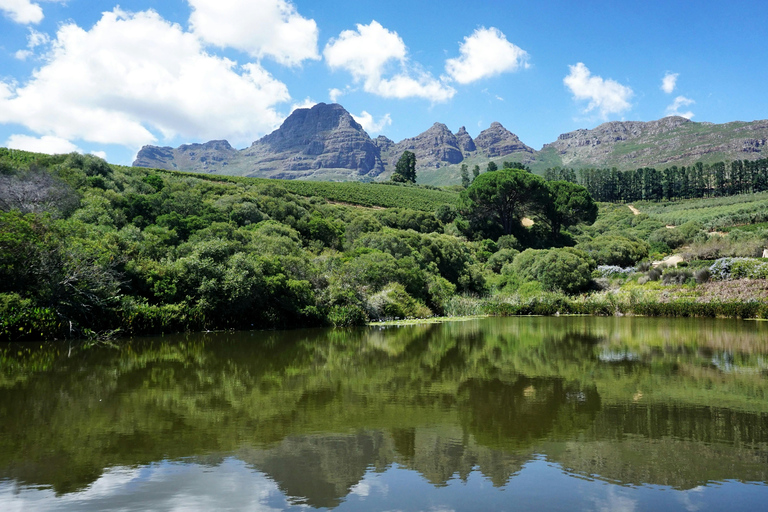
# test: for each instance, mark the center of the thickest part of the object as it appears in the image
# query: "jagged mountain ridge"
(326, 143)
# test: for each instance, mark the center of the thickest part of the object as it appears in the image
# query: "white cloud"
(46, 144)
(259, 27)
(669, 82)
(370, 125)
(680, 102)
(607, 96)
(34, 40)
(22, 11)
(132, 73)
(307, 103)
(368, 55)
(334, 94)
(484, 54)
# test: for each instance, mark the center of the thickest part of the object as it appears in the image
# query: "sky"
(108, 78)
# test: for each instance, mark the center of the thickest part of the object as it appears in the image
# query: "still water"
(623, 414)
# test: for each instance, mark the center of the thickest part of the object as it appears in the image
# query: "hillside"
(87, 248)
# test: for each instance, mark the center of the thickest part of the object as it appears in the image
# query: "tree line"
(685, 182)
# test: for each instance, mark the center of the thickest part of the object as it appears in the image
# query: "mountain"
(669, 141)
(326, 143)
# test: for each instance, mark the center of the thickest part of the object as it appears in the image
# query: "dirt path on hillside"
(634, 210)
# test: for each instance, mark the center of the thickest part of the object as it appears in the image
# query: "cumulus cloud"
(335, 93)
(259, 27)
(484, 54)
(370, 125)
(606, 96)
(47, 144)
(378, 59)
(680, 102)
(669, 82)
(132, 74)
(35, 39)
(22, 11)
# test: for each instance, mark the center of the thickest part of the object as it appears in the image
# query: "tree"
(492, 167)
(476, 171)
(515, 165)
(570, 204)
(465, 181)
(405, 170)
(504, 197)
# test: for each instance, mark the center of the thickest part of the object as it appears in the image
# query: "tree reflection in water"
(631, 401)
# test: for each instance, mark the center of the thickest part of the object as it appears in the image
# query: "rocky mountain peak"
(307, 124)
(466, 144)
(433, 148)
(498, 141)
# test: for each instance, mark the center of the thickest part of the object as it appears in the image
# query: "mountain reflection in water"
(385, 417)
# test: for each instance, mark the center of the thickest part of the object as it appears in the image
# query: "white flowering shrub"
(612, 271)
(726, 269)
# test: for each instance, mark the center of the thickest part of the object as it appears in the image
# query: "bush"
(676, 276)
(568, 269)
(725, 269)
(655, 273)
(346, 316)
(613, 271)
(615, 250)
(501, 258)
(701, 275)
(394, 302)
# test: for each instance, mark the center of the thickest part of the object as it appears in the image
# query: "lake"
(567, 413)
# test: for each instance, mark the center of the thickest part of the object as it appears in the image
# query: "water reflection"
(462, 412)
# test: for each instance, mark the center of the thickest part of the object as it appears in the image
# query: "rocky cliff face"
(497, 141)
(200, 157)
(433, 148)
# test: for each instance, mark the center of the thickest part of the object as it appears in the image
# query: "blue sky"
(107, 78)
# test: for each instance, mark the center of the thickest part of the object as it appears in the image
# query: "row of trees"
(650, 184)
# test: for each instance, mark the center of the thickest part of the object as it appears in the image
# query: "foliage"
(569, 204)
(615, 250)
(568, 270)
(405, 169)
(725, 269)
(151, 251)
(695, 181)
(496, 202)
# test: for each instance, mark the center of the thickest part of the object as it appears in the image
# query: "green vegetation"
(695, 181)
(405, 170)
(89, 250)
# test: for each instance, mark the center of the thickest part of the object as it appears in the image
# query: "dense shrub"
(615, 250)
(568, 270)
